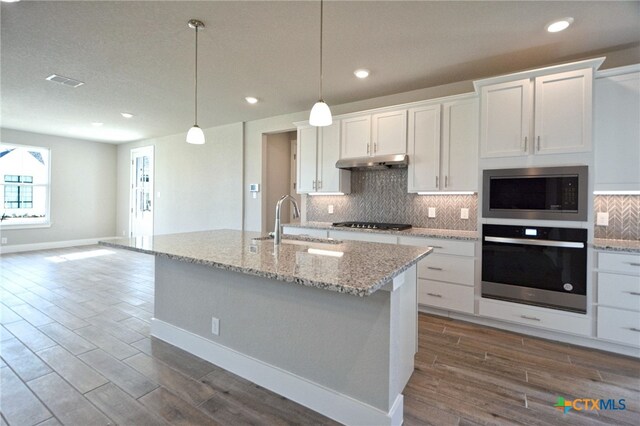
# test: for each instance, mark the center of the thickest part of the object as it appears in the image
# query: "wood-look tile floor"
(75, 350)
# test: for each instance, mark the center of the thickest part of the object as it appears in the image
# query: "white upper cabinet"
(389, 132)
(374, 134)
(563, 112)
(506, 114)
(460, 145)
(318, 151)
(545, 111)
(443, 146)
(424, 148)
(356, 136)
(617, 130)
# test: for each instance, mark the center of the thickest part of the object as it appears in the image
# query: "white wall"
(83, 189)
(200, 186)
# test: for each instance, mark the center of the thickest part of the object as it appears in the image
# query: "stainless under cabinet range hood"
(380, 162)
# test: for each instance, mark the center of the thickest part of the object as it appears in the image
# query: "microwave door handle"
(547, 243)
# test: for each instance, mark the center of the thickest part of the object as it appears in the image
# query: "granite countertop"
(450, 234)
(629, 246)
(351, 267)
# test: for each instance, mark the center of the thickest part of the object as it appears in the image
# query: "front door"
(141, 219)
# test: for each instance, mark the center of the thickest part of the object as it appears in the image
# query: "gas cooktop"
(373, 225)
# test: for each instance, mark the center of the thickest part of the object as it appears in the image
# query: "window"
(24, 181)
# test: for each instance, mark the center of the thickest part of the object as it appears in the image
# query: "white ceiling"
(137, 56)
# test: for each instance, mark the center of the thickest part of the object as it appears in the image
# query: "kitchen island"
(331, 325)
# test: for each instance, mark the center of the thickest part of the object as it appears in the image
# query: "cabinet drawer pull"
(439, 295)
(530, 318)
(634, 264)
(635, 293)
(437, 247)
(637, 330)
(434, 268)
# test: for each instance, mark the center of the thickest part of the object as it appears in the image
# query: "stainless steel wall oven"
(535, 265)
(549, 193)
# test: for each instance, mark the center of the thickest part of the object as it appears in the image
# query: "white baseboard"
(589, 342)
(49, 245)
(339, 407)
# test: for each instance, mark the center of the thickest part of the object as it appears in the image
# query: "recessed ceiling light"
(96, 124)
(361, 73)
(251, 100)
(559, 25)
(126, 114)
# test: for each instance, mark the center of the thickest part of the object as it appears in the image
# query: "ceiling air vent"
(64, 80)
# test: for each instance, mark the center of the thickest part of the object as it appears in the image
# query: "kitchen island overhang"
(333, 328)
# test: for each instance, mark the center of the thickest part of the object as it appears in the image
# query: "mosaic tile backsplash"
(624, 216)
(381, 196)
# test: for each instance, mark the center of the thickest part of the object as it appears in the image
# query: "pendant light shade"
(195, 134)
(320, 113)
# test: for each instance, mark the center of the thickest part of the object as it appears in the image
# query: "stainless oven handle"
(548, 243)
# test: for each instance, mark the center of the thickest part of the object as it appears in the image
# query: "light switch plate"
(330, 209)
(602, 219)
(432, 212)
(464, 213)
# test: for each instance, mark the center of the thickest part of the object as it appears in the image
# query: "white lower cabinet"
(363, 236)
(534, 316)
(619, 298)
(446, 277)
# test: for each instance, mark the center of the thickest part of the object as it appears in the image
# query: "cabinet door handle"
(634, 264)
(438, 295)
(367, 149)
(319, 184)
(526, 140)
(446, 181)
(375, 147)
(314, 184)
(530, 318)
(635, 293)
(436, 181)
(637, 330)
(538, 143)
(433, 268)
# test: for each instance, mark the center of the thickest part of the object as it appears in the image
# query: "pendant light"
(195, 134)
(320, 113)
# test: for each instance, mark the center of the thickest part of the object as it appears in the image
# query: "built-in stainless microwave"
(548, 193)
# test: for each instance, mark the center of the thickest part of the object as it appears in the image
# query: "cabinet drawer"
(364, 236)
(536, 317)
(628, 263)
(619, 326)
(440, 267)
(447, 296)
(442, 246)
(316, 233)
(619, 291)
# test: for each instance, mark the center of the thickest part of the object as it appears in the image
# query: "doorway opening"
(279, 176)
(141, 198)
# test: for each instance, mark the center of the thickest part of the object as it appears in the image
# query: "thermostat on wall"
(254, 188)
